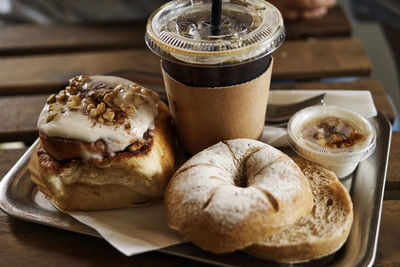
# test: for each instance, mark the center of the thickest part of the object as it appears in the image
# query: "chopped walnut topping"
(100, 101)
(98, 110)
(71, 90)
(78, 81)
(101, 107)
(51, 99)
(93, 113)
(50, 116)
(73, 101)
(108, 114)
(86, 102)
(62, 95)
(90, 107)
(76, 84)
(128, 109)
(109, 98)
(54, 109)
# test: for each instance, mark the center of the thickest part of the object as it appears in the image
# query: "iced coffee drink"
(217, 85)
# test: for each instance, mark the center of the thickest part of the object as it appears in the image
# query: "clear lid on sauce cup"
(328, 156)
(181, 31)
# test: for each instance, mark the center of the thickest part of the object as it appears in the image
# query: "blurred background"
(377, 24)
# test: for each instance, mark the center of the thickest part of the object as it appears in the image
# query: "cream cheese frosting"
(119, 119)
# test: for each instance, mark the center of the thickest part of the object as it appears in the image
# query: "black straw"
(216, 10)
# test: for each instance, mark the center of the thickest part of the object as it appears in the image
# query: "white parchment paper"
(132, 230)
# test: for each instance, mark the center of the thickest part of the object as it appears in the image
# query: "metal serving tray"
(19, 198)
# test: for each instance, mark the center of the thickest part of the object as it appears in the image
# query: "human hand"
(306, 9)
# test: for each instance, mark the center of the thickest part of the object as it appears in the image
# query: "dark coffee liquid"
(216, 76)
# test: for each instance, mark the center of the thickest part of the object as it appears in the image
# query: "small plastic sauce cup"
(334, 137)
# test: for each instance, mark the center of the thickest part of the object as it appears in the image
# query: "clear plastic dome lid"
(181, 30)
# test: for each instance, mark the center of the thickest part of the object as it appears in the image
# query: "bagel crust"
(322, 232)
(234, 194)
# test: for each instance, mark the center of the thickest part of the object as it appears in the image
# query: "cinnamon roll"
(105, 142)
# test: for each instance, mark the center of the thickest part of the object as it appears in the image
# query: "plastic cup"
(217, 85)
(309, 126)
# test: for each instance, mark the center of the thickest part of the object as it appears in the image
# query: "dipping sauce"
(336, 138)
(332, 132)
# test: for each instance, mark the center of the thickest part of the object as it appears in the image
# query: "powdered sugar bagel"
(234, 194)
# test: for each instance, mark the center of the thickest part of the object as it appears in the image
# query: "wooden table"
(37, 60)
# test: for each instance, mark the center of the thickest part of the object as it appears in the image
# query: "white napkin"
(132, 230)
(359, 101)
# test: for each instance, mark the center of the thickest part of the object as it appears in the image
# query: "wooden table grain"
(62, 38)
(393, 173)
(306, 59)
(36, 60)
(25, 243)
(335, 23)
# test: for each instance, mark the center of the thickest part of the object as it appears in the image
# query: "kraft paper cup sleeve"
(204, 116)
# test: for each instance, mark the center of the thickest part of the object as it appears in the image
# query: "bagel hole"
(238, 179)
(242, 180)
